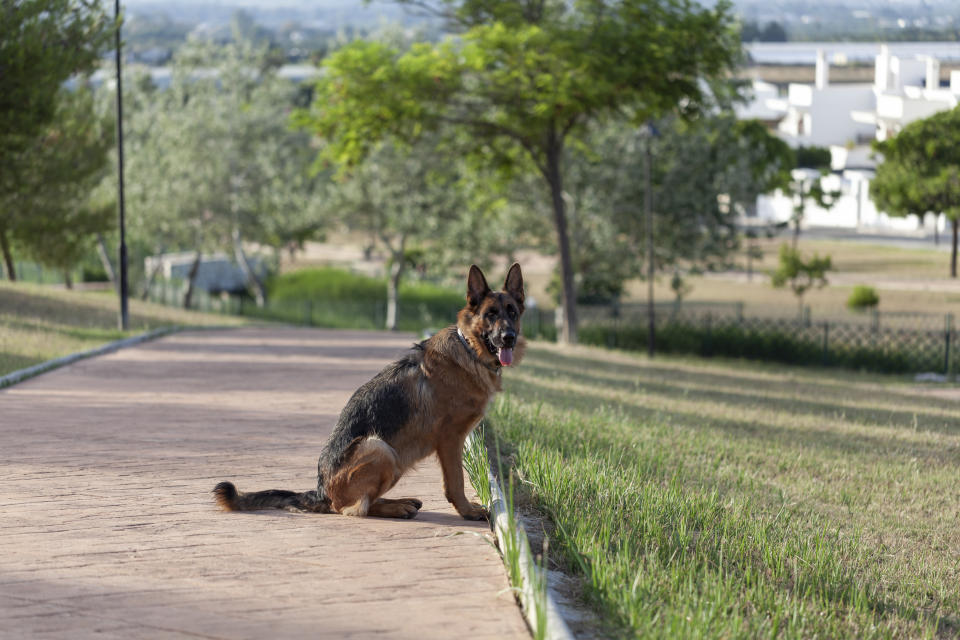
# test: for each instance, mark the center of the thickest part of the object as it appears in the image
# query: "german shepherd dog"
(425, 402)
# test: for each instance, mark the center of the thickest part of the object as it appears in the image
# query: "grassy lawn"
(38, 323)
(710, 498)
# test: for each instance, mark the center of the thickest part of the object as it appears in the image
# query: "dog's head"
(492, 318)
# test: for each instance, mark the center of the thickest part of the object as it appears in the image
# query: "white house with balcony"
(846, 118)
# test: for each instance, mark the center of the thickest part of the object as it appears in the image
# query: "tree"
(800, 273)
(813, 163)
(920, 172)
(705, 174)
(522, 80)
(772, 32)
(213, 164)
(42, 44)
(401, 197)
(57, 213)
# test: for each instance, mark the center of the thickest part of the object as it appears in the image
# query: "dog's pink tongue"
(506, 356)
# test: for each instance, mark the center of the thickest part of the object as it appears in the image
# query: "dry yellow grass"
(38, 323)
(907, 281)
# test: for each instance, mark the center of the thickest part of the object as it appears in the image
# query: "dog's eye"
(491, 315)
(512, 313)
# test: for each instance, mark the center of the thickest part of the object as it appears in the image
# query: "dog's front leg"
(450, 453)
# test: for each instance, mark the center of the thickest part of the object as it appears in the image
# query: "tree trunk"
(568, 333)
(7, 256)
(953, 249)
(253, 282)
(397, 265)
(67, 280)
(152, 278)
(191, 279)
(105, 259)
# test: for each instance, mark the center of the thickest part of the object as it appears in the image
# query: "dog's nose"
(509, 339)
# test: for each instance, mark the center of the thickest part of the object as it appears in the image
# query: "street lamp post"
(122, 289)
(648, 212)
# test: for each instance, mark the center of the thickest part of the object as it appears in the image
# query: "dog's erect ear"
(476, 286)
(514, 283)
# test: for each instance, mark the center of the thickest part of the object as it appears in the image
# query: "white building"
(846, 118)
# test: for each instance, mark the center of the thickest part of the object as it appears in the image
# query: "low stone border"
(23, 374)
(511, 535)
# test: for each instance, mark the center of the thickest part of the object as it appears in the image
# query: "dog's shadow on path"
(427, 517)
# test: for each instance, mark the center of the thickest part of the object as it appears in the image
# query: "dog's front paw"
(475, 512)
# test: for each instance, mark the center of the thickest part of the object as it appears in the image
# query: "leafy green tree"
(42, 44)
(403, 198)
(523, 80)
(799, 273)
(54, 215)
(704, 174)
(213, 164)
(920, 172)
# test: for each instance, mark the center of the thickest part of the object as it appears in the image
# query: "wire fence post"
(708, 343)
(826, 343)
(948, 330)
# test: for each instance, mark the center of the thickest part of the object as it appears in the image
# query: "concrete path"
(108, 530)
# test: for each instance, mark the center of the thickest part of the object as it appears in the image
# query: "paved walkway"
(108, 529)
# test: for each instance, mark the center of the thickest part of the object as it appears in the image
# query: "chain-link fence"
(896, 343)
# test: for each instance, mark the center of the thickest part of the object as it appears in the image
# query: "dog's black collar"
(463, 340)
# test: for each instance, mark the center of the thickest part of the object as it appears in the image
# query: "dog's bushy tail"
(230, 499)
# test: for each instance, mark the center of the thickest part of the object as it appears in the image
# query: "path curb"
(555, 628)
(24, 374)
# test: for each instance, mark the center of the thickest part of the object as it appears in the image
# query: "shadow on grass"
(671, 380)
(652, 382)
(79, 333)
(781, 438)
(31, 306)
(10, 362)
(36, 306)
(859, 445)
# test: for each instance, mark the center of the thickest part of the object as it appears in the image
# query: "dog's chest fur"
(451, 390)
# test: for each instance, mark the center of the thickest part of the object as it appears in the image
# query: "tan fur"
(449, 393)
(424, 403)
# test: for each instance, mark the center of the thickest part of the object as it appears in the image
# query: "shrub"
(93, 274)
(338, 298)
(325, 284)
(862, 298)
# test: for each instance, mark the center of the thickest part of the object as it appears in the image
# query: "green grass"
(38, 323)
(728, 499)
(517, 557)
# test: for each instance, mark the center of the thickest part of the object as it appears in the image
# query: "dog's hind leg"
(372, 470)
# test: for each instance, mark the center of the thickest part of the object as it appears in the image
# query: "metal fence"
(888, 342)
